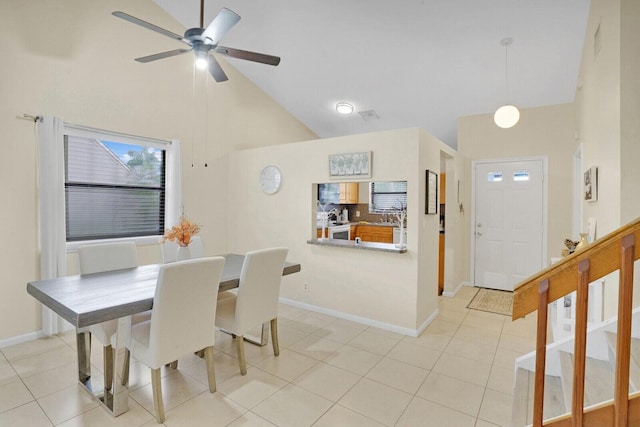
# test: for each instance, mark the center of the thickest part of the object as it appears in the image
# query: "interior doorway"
(508, 221)
(442, 193)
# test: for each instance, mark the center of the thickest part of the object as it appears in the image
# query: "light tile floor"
(330, 372)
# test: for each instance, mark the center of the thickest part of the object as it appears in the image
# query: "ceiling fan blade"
(249, 56)
(223, 22)
(216, 70)
(149, 26)
(162, 55)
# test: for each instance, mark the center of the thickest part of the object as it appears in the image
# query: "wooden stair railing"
(614, 251)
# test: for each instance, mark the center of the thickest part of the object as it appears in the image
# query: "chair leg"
(107, 352)
(241, 359)
(274, 336)
(211, 373)
(157, 395)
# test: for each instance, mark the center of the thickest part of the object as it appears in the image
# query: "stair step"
(634, 364)
(599, 379)
(522, 413)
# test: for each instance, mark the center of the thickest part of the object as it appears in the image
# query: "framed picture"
(431, 196)
(591, 184)
(356, 165)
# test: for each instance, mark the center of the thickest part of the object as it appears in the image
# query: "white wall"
(74, 59)
(398, 290)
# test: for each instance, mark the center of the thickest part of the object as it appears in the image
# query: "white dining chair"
(96, 259)
(169, 251)
(256, 301)
(181, 320)
(196, 247)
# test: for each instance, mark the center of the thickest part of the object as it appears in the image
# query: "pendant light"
(508, 115)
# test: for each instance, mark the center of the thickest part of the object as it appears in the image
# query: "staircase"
(558, 381)
(588, 379)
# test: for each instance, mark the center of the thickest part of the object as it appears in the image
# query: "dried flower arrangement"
(182, 232)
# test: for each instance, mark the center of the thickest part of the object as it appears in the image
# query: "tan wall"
(432, 151)
(544, 131)
(598, 112)
(74, 59)
(394, 289)
(608, 107)
(630, 110)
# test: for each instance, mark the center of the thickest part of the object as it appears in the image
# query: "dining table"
(89, 299)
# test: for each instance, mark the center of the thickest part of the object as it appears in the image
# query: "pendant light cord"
(506, 42)
(506, 73)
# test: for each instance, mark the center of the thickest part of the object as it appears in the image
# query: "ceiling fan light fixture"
(344, 108)
(506, 116)
(202, 60)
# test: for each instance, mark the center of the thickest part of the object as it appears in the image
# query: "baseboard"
(427, 322)
(456, 290)
(362, 320)
(8, 342)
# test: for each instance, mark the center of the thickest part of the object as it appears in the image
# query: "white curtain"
(173, 184)
(53, 253)
(53, 250)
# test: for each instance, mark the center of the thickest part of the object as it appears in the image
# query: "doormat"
(492, 301)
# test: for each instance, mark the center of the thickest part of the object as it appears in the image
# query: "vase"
(183, 253)
(583, 242)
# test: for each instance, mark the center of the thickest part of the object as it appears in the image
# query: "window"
(388, 196)
(113, 189)
(494, 176)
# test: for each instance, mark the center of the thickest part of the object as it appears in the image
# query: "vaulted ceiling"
(413, 63)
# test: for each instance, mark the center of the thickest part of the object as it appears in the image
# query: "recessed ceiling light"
(344, 108)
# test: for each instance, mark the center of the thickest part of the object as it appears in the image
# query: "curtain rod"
(30, 118)
(87, 128)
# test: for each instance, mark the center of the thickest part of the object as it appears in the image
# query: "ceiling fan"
(203, 41)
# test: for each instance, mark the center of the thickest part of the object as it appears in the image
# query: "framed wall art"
(431, 196)
(355, 165)
(591, 184)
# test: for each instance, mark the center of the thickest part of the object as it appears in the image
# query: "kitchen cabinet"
(441, 264)
(374, 233)
(342, 193)
(326, 232)
(349, 193)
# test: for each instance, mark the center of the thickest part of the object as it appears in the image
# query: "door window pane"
(495, 176)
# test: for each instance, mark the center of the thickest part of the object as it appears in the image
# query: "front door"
(509, 213)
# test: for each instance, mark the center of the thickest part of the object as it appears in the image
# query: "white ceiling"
(417, 63)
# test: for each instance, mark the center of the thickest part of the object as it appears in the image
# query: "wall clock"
(270, 179)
